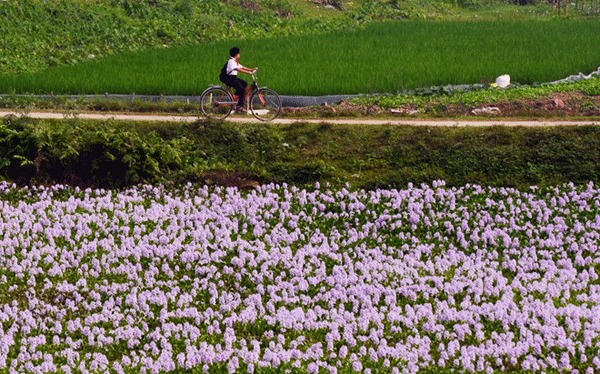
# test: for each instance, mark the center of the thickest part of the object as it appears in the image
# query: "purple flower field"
(286, 280)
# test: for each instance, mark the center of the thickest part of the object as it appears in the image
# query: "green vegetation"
(428, 99)
(110, 154)
(38, 34)
(49, 33)
(580, 99)
(407, 54)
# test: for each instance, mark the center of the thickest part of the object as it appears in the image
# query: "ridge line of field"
(286, 100)
(354, 121)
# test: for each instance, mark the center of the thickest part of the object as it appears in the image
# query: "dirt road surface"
(352, 121)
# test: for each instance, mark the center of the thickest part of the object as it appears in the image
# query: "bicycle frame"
(254, 89)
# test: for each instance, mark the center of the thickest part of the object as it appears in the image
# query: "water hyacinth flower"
(152, 279)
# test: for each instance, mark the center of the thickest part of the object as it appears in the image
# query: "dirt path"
(362, 121)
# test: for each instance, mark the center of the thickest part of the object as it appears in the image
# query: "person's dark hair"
(234, 51)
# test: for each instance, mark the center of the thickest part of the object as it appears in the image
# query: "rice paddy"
(384, 57)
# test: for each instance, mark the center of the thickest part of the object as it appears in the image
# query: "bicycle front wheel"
(216, 103)
(265, 104)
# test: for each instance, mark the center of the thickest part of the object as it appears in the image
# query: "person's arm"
(244, 69)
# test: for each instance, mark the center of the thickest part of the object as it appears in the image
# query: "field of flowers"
(281, 279)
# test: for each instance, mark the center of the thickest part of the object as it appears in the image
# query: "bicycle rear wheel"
(265, 104)
(216, 103)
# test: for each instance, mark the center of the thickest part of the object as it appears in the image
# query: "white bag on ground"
(503, 81)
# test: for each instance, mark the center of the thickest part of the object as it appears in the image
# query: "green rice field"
(384, 57)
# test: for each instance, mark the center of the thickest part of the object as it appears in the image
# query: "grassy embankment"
(111, 154)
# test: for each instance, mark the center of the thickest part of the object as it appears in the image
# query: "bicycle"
(217, 102)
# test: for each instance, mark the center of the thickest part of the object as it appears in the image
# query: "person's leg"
(239, 86)
(240, 89)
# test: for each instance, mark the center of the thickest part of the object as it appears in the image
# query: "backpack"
(223, 75)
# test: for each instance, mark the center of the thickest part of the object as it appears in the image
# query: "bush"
(525, 2)
(70, 152)
(111, 154)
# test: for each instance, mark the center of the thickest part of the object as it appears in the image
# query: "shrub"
(111, 154)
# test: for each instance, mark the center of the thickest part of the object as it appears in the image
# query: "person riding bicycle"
(229, 77)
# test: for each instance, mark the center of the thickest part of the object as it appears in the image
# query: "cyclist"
(229, 76)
